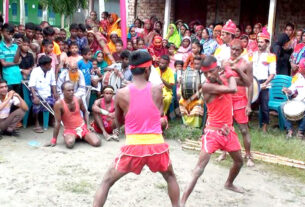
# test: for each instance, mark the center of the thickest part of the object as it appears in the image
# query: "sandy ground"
(35, 176)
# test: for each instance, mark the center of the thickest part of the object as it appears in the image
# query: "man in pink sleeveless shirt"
(68, 111)
(219, 131)
(242, 98)
(139, 106)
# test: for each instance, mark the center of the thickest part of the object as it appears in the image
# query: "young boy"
(119, 48)
(96, 77)
(73, 33)
(24, 58)
(48, 51)
(85, 65)
(82, 38)
(49, 34)
(74, 56)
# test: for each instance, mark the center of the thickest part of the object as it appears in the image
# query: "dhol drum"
(294, 110)
(256, 90)
(190, 83)
(110, 78)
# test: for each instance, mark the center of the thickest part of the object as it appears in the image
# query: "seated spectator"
(184, 50)
(118, 48)
(104, 115)
(68, 111)
(10, 70)
(85, 65)
(10, 118)
(96, 76)
(42, 82)
(101, 63)
(77, 79)
(111, 44)
(296, 92)
(24, 58)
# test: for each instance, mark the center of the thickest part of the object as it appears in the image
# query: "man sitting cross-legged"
(104, 113)
(67, 111)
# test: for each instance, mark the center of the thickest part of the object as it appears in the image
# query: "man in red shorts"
(242, 98)
(68, 111)
(139, 106)
(219, 131)
(103, 113)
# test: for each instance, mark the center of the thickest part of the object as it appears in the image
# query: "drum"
(256, 90)
(110, 78)
(190, 83)
(294, 110)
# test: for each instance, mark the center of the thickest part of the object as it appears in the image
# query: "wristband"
(104, 112)
(53, 140)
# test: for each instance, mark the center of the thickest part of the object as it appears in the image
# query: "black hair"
(139, 57)
(73, 26)
(85, 51)
(119, 41)
(46, 42)
(94, 60)
(165, 57)
(25, 39)
(196, 42)
(108, 86)
(43, 60)
(106, 14)
(198, 58)
(82, 27)
(73, 43)
(43, 22)
(18, 35)
(178, 62)
(63, 30)
(137, 19)
(289, 24)
(139, 39)
(243, 37)
(159, 22)
(64, 84)
(208, 60)
(129, 40)
(30, 26)
(125, 54)
(2, 81)
(38, 28)
(48, 31)
(8, 27)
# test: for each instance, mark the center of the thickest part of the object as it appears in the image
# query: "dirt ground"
(35, 176)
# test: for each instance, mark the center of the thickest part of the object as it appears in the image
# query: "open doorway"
(253, 12)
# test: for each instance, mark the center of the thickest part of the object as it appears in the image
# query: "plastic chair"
(277, 97)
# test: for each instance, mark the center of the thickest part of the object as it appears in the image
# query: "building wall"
(290, 11)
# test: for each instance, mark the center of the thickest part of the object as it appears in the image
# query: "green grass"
(81, 187)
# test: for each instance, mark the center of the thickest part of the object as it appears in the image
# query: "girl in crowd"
(196, 50)
(173, 35)
(184, 50)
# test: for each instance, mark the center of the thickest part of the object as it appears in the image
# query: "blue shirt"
(11, 74)
(85, 68)
(81, 42)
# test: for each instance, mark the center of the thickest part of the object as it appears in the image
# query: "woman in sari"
(156, 50)
(209, 45)
(132, 34)
(113, 23)
(297, 55)
(173, 35)
(183, 29)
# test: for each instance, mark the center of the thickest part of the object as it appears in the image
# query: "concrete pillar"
(101, 6)
(62, 21)
(271, 17)
(45, 14)
(166, 16)
(91, 5)
(22, 12)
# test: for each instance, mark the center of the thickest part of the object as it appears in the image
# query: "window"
(14, 9)
(39, 11)
(51, 14)
(26, 9)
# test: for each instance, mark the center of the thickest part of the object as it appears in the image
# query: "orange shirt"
(56, 49)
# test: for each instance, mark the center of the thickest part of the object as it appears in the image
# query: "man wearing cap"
(264, 69)
(242, 98)
(104, 113)
(297, 93)
(223, 53)
(219, 131)
(144, 141)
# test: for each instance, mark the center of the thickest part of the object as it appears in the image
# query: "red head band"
(143, 65)
(208, 68)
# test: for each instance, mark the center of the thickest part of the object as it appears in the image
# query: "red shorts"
(240, 116)
(157, 162)
(79, 132)
(107, 126)
(213, 140)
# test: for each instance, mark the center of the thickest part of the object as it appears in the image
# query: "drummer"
(192, 109)
(297, 93)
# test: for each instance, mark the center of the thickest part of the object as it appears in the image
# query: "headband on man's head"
(208, 68)
(143, 65)
(140, 59)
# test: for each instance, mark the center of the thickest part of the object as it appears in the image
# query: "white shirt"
(222, 53)
(298, 86)
(79, 87)
(5, 112)
(42, 81)
(264, 65)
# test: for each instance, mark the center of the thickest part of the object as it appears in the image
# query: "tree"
(66, 7)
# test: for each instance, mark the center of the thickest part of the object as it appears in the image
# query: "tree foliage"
(66, 7)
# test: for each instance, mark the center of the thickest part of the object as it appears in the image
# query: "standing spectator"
(48, 51)
(118, 51)
(8, 118)
(74, 56)
(280, 49)
(85, 65)
(264, 69)
(289, 30)
(30, 33)
(49, 33)
(63, 34)
(42, 82)
(10, 69)
(82, 37)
